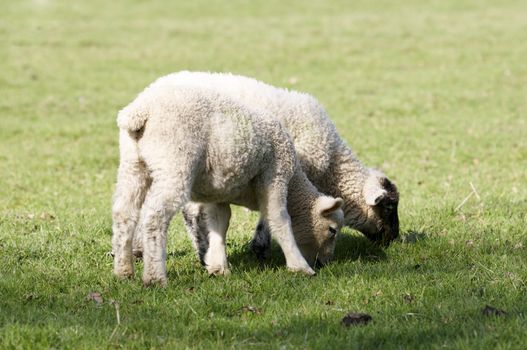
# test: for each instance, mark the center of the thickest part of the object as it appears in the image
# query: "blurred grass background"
(433, 93)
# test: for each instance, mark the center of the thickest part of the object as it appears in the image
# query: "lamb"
(179, 144)
(370, 198)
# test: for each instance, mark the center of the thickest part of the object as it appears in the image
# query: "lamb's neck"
(349, 176)
(301, 192)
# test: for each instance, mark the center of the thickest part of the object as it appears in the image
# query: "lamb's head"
(316, 232)
(381, 222)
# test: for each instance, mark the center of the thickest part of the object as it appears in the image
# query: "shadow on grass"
(412, 236)
(350, 247)
(176, 254)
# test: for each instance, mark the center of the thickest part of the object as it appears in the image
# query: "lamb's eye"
(332, 231)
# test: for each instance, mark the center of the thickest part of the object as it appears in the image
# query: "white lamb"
(185, 143)
(370, 198)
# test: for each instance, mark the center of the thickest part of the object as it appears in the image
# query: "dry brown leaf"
(355, 318)
(492, 311)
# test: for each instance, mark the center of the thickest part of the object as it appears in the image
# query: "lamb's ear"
(373, 190)
(327, 205)
(374, 194)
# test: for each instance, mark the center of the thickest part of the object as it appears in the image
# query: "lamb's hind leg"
(132, 184)
(166, 195)
(207, 226)
(274, 210)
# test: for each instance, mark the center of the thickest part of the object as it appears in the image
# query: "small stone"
(292, 80)
(250, 309)
(408, 298)
(95, 297)
(29, 296)
(46, 216)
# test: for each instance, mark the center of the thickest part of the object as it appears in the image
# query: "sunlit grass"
(434, 95)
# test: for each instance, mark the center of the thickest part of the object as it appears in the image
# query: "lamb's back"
(306, 121)
(232, 142)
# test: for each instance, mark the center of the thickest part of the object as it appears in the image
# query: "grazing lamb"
(370, 198)
(185, 143)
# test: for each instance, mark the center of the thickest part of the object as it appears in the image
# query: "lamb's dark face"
(382, 199)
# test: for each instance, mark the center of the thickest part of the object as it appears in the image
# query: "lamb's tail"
(133, 117)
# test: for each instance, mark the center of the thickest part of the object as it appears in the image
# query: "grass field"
(435, 95)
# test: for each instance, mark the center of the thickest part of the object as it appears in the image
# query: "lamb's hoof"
(124, 272)
(308, 271)
(138, 254)
(218, 270)
(149, 281)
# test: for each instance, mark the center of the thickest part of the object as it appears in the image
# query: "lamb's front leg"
(274, 210)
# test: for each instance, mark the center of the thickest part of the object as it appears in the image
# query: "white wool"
(181, 143)
(327, 160)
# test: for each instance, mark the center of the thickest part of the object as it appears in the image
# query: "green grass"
(434, 94)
